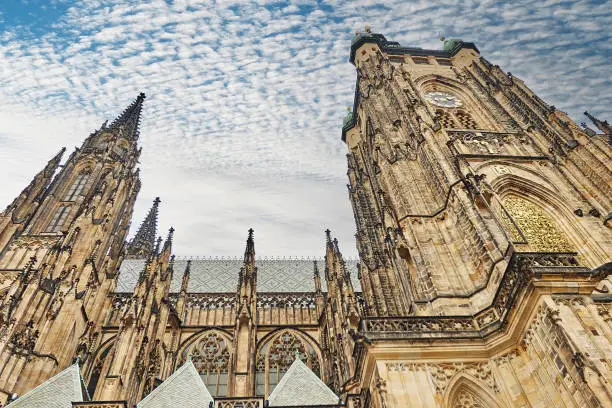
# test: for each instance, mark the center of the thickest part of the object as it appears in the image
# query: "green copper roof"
(348, 118)
(452, 44)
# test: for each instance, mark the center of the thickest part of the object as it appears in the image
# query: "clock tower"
(482, 234)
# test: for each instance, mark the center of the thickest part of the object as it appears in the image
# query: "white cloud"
(241, 125)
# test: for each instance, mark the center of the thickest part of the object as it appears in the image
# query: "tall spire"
(249, 252)
(130, 119)
(143, 243)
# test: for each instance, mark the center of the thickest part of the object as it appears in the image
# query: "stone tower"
(483, 230)
(61, 244)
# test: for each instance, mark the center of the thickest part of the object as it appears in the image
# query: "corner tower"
(468, 190)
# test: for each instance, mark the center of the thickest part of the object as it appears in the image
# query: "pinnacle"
(143, 242)
(129, 120)
(249, 252)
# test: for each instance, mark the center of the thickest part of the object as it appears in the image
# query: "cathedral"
(484, 231)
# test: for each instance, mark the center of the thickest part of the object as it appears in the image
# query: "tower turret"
(143, 243)
(16, 216)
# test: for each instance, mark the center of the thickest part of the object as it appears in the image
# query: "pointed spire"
(142, 245)
(317, 277)
(249, 252)
(603, 126)
(186, 275)
(52, 164)
(168, 243)
(129, 120)
(158, 245)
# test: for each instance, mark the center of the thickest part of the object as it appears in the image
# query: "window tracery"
(276, 356)
(455, 119)
(445, 119)
(77, 186)
(467, 399)
(211, 356)
(59, 218)
(465, 120)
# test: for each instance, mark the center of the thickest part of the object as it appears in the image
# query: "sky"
(245, 99)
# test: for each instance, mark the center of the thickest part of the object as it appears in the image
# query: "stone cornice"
(524, 269)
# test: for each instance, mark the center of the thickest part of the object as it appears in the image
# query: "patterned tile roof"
(221, 275)
(301, 387)
(183, 389)
(59, 391)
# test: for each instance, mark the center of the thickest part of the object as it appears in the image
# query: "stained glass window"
(211, 356)
(276, 356)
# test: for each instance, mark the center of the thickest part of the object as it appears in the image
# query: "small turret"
(143, 243)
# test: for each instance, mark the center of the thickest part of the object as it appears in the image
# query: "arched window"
(537, 227)
(465, 120)
(59, 218)
(276, 356)
(211, 356)
(77, 186)
(94, 377)
(445, 119)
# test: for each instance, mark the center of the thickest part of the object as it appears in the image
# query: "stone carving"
(286, 300)
(23, 341)
(442, 373)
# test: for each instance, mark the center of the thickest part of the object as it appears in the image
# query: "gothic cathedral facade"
(484, 233)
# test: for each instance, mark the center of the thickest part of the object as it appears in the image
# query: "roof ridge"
(257, 258)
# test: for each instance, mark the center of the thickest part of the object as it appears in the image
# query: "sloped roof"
(184, 388)
(301, 387)
(221, 275)
(59, 391)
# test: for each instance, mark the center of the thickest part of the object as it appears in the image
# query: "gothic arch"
(559, 209)
(97, 363)
(277, 350)
(197, 334)
(465, 391)
(438, 83)
(210, 352)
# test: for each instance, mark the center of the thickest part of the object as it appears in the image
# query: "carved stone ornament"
(442, 373)
(23, 341)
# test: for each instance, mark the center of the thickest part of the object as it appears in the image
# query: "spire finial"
(316, 268)
(249, 252)
(168, 242)
(187, 268)
(603, 126)
(130, 118)
(144, 241)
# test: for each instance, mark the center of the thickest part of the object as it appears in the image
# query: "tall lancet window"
(276, 356)
(59, 218)
(211, 356)
(77, 186)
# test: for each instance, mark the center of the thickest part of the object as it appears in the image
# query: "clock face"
(443, 99)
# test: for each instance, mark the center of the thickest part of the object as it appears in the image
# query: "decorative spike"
(168, 242)
(142, 245)
(158, 245)
(603, 126)
(129, 119)
(249, 252)
(316, 268)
